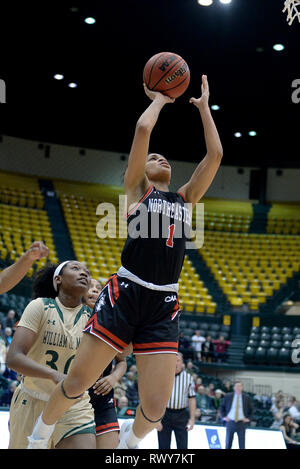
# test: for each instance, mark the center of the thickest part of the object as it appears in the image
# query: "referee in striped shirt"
(180, 411)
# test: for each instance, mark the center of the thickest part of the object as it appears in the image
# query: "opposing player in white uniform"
(42, 350)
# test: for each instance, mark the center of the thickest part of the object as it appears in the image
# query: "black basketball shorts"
(128, 312)
(105, 413)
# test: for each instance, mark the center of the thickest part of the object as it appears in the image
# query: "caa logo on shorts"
(168, 299)
(213, 439)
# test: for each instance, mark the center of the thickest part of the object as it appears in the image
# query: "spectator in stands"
(203, 402)
(221, 348)
(2, 333)
(130, 378)
(120, 389)
(8, 336)
(3, 351)
(122, 406)
(198, 382)
(183, 344)
(195, 377)
(278, 410)
(288, 429)
(228, 386)
(208, 350)
(277, 396)
(211, 390)
(133, 369)
(190, 367)
(197, 341)
(6, 397)
(13, 274)
(132, 394)
(216, 399)
(10, 319)
(293, 409)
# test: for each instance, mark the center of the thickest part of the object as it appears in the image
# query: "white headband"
(57, 272)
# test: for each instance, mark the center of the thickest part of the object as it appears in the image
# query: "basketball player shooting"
(139, 304)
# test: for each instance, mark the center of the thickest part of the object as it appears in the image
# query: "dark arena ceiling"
(233, 44)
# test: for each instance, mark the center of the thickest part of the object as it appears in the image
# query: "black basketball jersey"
(158, 227)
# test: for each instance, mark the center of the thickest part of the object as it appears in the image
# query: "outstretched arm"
(135, 181)
(13, 274)
(204, 174)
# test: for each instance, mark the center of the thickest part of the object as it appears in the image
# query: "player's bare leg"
(92, 357)
(156, 378)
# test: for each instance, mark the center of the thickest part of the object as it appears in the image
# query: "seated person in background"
(208, 350)
(216, 400)
(203, 402)
(198, 382)
(130, 378)
(288, 429)
(6, 397)
(278, 411)
(293, 409)
(220, 348)
(228, 385)
(122, 406)
(10, 319)
(190, 367)
(3, 352)
(120, 389)
(8, 336)
(132, 394)
(211, 390)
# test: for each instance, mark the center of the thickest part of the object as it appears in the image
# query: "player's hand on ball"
(156, 95)
(37, 250)
(203, 101)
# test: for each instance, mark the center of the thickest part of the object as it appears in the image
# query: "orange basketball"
(167, 73)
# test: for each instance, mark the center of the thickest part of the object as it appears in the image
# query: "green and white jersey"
(58, 333)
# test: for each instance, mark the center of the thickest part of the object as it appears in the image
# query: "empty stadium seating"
(284, 218)
(22, 219)
(226, 215)
(249, 268)
(271, 345)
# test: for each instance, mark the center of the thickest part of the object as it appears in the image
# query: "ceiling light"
(215, 107)
(72, 85)
(205, 3)
(252, 133)
(278, 47)
(90, 20)
(238, 134)
(58, 76)
(225, 1)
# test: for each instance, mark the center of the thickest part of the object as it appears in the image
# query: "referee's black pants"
(174, 420)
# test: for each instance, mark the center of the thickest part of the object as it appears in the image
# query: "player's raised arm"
(13, 274)
(135, 173)
(207, 169)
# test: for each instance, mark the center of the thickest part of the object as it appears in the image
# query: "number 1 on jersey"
(170, 242)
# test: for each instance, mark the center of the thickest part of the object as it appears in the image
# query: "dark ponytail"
(43, 282)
